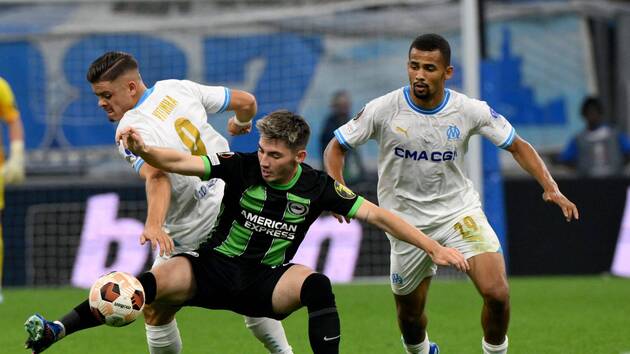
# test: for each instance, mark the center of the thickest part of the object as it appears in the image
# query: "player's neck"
(429, 103)
(140, 92)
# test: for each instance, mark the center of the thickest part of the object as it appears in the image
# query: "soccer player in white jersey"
(181, 209)
(423, 131)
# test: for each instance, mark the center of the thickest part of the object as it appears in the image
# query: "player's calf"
(324, 331)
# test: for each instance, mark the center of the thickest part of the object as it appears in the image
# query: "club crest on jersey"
(297, 208)
(494, 113)
(343, 191)
(453, 133)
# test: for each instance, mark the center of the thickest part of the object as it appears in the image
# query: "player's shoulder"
(170, 84)
(467, 105)
(133, 118)
(390, 101)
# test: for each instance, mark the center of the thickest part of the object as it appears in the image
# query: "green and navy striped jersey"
(265, 223)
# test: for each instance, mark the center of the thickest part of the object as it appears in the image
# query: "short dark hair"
(285, 126)
(109, 66)
(592, 102)
(430, 42)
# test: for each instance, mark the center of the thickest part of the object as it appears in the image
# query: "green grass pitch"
(563, 315)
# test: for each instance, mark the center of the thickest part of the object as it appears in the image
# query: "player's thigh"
(175, 281)
(409, 266)
(487, 271)
(286, 294)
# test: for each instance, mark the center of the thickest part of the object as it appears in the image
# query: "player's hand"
(236, 129)
(157, 237)
(13, 169)
(341, 218)
(131, 140)
(569, 210)
(446, 256)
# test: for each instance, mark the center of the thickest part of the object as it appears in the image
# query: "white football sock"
(494, 349)
(270, 333)
(420, 348)
(164, 339)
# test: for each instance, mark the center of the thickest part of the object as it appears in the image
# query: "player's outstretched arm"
(244, 106)
(334, 158)
(168, 160)
(402, 230)
(530, 161)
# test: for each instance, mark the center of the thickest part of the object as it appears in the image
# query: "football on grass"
(117, 298)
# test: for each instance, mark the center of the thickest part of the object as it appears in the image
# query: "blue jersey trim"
(145, 95)
(447, 95)
(138, 164)
(228, 98)
(342, 140)
(510, 139)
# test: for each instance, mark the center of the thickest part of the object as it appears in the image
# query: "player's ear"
(300, 156)
(133, 87)
(449, 72)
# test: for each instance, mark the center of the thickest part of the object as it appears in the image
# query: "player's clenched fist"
(132, 140)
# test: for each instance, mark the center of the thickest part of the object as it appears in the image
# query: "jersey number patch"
(190, 136)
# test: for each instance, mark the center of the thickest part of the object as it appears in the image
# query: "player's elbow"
(244, 103)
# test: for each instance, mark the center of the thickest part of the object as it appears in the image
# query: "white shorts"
(470, 233)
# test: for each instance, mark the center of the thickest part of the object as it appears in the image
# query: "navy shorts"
(225, 283)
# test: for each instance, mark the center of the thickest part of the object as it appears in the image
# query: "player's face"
(427, 72)
(278, 163)
(116, 97)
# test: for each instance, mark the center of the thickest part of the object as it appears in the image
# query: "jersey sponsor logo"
(273, 228)
(297, 208)
(343, 191)
(435, 156)
(453, 133)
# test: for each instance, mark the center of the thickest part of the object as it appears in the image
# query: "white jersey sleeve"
(215, 99)
(491, 124)
(145, 132)
(359, 129)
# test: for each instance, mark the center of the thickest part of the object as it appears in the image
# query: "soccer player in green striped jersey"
(271, 198)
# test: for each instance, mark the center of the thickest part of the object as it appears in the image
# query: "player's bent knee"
(316, 293)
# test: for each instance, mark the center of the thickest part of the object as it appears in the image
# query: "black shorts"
(225, 283)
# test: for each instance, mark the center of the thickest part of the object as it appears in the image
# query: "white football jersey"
(173, 114)
(421, 153)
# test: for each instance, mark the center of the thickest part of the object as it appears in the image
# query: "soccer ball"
(117, 298)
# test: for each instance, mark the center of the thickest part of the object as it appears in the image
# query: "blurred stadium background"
(81, 209)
